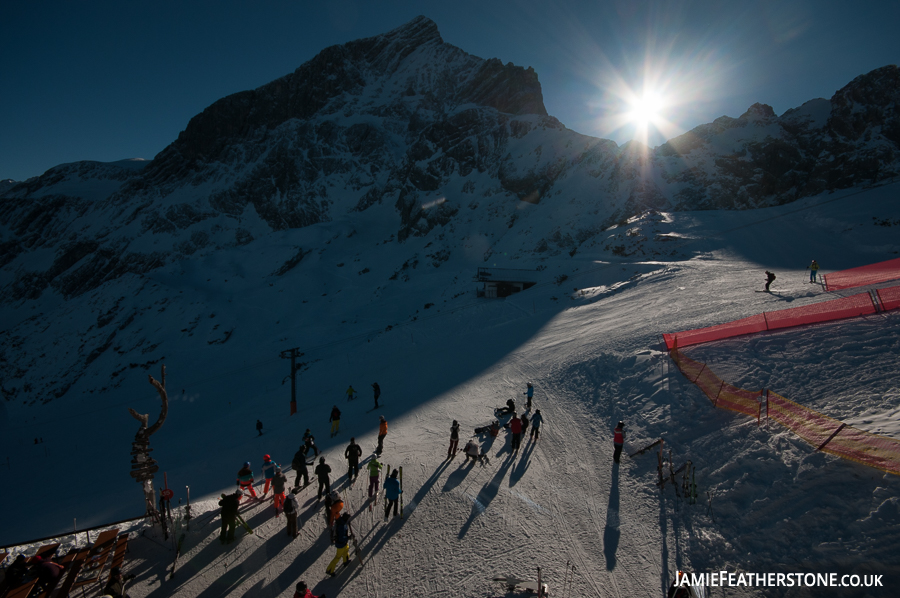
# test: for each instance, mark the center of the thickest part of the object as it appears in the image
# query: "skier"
(310, 441)
(337, 505)
(342, 533)
(291, 511)
(335, 420)
(510, 408)
(259, 427)
(377, 390)
(351, 394)
(352, 453)
(454, 439)
(515, 426)
(268, 469)
(524, 419)
(374, 468)
(813, 268)
(472, 452)
(322, 471)
(536, 420)
(382, 432)
(618, 441)
(299, 465)
(769, 278)
(229, 504)
(305, 592)
(278, 484)
(245, 479)
(392, 493)
(529, 394)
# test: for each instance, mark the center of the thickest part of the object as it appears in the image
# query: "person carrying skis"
(813, 268)
(335, 420)
(529, 394)
(310, 441)
(259, 427)
(279, 481)
(374, 468)
(515, 426)
(392, 494)
(377, 390)
(291, 511)
(618, 441)
(245, 479)
(322, 471)
(298, 463)
(342, 533)
(352, 453)
(769, 278)
(304, 592)
(536, 420)
(268, 469)
(454, 439)
(382, 432)
(229, 504)
(351, 394)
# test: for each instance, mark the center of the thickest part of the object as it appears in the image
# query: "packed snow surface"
(590, 344)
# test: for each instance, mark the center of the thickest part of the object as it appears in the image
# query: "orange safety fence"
(824, 433)
(860, 304)
(863, 275)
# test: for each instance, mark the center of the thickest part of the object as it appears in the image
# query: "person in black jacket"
(352, 454)
(299, 465)
(454, 439)
(229, 504)
(259, 427)
(322, 471)
(335, 420)
(377, 390)
(770, 277)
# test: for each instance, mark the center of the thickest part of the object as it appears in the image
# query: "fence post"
(716, 402)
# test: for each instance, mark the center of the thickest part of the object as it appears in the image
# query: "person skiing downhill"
(374, 468)
(529, 394)
(454, 439)
(392, 494)
(536, 420)
(268, 469)
(377, 390)
(382, 432)
(259, 427)
(813, 268)
(298, 463)
(618, 441)
(352, 453)
(335, 420)
(322, 471)
(770, 277)
(245, 479)
(351, 394)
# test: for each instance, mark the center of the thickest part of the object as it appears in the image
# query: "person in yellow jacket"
(813, 268)
(382, 432)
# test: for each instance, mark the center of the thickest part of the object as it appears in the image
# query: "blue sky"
(113, 80)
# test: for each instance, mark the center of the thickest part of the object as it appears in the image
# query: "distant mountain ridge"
(407, 135)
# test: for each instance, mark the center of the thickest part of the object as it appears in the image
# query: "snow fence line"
(822, 432)
(861, 304)
(863, 275)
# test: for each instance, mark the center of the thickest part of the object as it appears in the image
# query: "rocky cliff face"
(415, 138)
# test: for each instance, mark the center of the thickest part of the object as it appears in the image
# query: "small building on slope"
(502, 282)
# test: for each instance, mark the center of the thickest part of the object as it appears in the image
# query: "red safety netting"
(811, 426)
(889, 298)
(870, 274)
(721, 393)
(836, 309)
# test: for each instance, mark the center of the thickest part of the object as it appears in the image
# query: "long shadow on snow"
(485, 496)
(522, 466)
(611, 532)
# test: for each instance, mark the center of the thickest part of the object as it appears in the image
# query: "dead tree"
(142, 465)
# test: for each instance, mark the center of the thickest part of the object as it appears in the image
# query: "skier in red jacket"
(515, 426)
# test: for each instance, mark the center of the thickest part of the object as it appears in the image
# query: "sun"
(646, 109)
